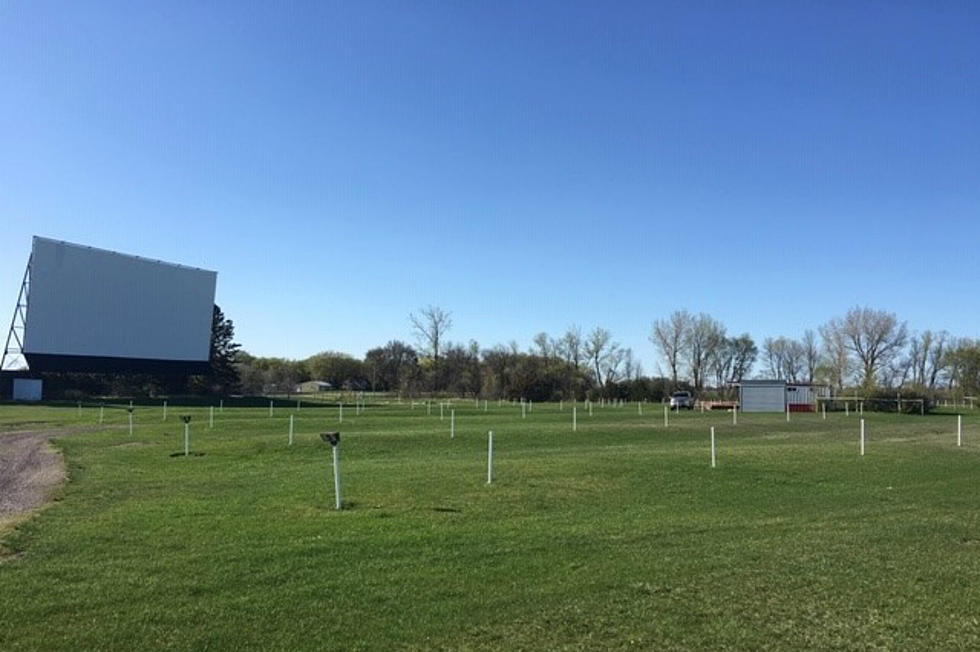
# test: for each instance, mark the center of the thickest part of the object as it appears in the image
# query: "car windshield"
(681, 394)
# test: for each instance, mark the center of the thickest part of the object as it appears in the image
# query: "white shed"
(762, 395)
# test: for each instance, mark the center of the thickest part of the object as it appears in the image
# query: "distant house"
(313, 386)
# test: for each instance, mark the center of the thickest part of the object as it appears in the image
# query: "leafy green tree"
(964, 363)
(223, 376)
(338, 369)
(391, 365)
(224, 353)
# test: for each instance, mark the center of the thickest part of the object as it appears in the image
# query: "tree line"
(864, 350)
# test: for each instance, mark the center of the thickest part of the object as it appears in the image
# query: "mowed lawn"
(620, 535)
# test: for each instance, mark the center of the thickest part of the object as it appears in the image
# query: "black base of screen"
(42, 362)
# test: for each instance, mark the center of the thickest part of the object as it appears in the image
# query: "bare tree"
(612, 361)
(630, 366)
(927, 357)
(430, 327)
(637, 369)
(602, 351)
(938, 359)
(875, 337)
(670, 337)
(837, 357)
(794, 360)
(720, 363)
(896, 373)
(571, 345)
(704, 336)
(732, 360)
(811, 354)
(775, 351)
(787, 358)
(545, 346)
(744, 353)
(919, 344)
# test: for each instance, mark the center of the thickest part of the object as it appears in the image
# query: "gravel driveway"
(30, 469)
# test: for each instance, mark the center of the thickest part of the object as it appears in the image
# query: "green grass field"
(617, 536)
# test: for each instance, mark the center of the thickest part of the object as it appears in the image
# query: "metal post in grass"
(787, 412)
(211, 417)
(270, 409)
(186, 418)
(333, 438)
(490, 457)
(101, 413)
(959, 429)
(639, 408)
(666, 412)
(221, 406)
(130, 410)
(441, 405)
(290, 429)
(523, 409)
(823, 409)
(861, 407)
(484, 405)
(712, 447)
(530, 406)
(561, 405)
(590, 408)
(847, 410)
(297, 405)
(164, 410)
(734, 415)
(574, 419)
(452, 424)
(862, 436)
(130, 404)
(340, 412)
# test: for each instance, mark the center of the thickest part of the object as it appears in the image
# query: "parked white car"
(680, 400)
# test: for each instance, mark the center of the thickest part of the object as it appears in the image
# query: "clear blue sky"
(525, 165)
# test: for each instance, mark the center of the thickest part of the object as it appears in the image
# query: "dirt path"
(30, 470)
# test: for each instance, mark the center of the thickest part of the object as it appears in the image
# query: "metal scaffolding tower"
(13, 352)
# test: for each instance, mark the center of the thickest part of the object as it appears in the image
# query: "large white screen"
(92, 302)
